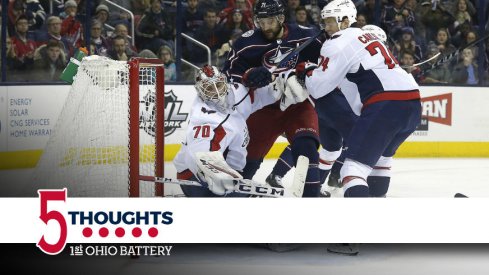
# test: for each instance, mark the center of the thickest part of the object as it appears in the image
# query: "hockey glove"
(304, 69)
(257, 77)
(293, 92)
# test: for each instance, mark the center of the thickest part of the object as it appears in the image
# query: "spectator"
(33, 10)
(139, 7)
(361, 20)
(396, 16)
(236, 23)
(49, 61)
(292, 5)
(367, 8)
(244, 6)
(211, 34)
(102, 14)
(20, 53)
(439, 74)
(166, 55)
(71, 27)
(192, 17)
(122, 30)
(120, 51)
(99, 44)
(54, 33)
(434, 17)
(303, 18)
(466, 71)
(154, 29)
(443, 42)
(407, 43)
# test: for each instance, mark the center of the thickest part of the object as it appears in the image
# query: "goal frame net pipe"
(134, 172)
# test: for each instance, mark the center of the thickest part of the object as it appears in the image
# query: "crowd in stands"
(44, 34)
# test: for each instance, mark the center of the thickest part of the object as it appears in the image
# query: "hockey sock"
(284, 163)
(355, 188)
(308, 146)
(252, 165)
(378, 186)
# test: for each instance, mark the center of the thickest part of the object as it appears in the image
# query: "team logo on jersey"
(248, 33)
(274, 56)
(173, 117)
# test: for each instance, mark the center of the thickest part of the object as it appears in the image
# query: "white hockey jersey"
(362, 67)
(211, 130)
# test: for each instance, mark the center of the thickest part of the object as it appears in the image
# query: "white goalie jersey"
(361, 66)
(211, 130)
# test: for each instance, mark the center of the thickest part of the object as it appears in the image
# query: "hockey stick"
(421, 63)
(453, 54)
(282, 60)
(250, 187)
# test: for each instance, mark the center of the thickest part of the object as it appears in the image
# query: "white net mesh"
(88, 148)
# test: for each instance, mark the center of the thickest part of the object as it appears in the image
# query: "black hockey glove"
(304, 69)
(257, 77)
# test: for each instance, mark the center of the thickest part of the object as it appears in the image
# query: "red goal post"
(136, 65)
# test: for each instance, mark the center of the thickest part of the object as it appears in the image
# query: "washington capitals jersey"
(363, 68)
(252, 49)
(211, 130)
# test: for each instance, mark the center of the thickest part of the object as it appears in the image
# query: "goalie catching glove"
(216, 173)
(293, 91)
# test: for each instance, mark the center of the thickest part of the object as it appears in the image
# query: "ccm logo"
(262, 189)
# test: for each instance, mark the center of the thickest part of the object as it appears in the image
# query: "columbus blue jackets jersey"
(252, 49)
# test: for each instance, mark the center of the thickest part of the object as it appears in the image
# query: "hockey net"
(109, 138)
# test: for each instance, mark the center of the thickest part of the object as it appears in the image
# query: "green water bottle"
(70, 71)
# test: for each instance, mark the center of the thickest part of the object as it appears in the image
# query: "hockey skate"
(324, 194)
(334, 180)
(274, 181)
(349, 249)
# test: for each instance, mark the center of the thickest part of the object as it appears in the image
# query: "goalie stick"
(245, 186)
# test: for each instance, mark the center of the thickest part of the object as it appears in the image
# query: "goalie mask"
(212, 88)
(379, 32)
(339, 9)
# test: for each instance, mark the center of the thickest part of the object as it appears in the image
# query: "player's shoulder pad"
(248, 38)
(301, 31)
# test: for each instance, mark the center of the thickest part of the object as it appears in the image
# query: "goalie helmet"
(340, 9)
(212, 87)
(379, 32)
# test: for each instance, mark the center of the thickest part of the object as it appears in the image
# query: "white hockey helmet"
(340, 9)
(378, 31)
(212, 87)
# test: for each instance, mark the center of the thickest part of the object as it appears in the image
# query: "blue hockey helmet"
(268, 8)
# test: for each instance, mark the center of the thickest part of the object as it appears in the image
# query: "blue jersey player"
(250, 62)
